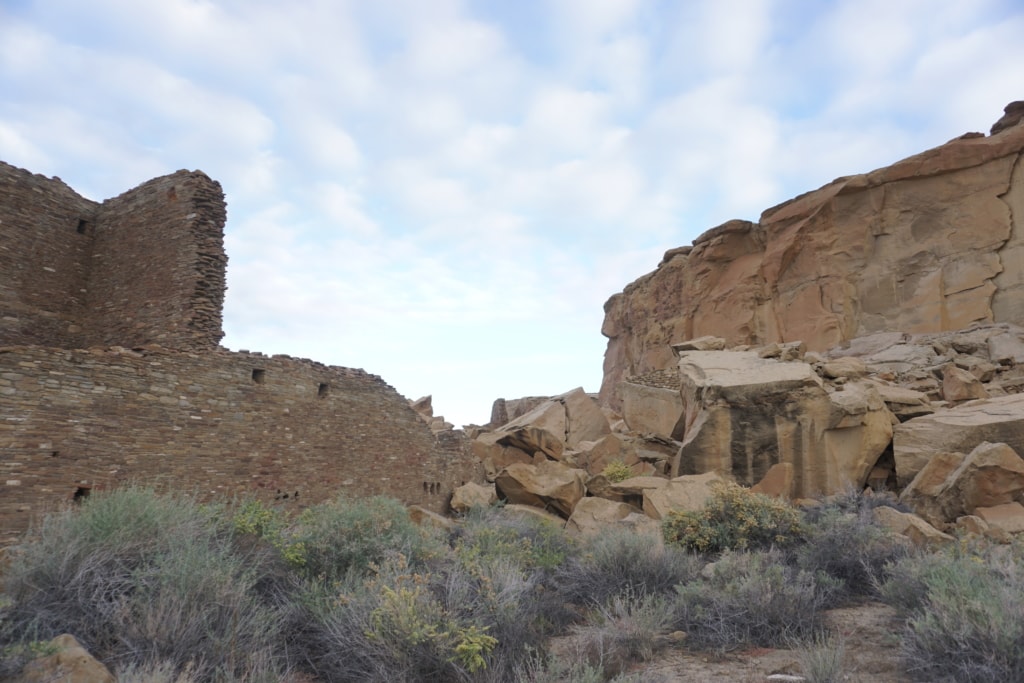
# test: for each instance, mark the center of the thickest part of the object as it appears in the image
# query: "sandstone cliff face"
(932, 243)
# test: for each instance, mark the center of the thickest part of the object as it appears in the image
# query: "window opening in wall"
(81, 493)
(54, 454)
(83, 227)
(258, 375)
(322, 390)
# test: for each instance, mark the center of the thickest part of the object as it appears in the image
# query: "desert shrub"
(395, 626)
(624, 562)
(752, 598)
(490, 533)
(271, 525)
(139, 577)
(507, 599)
(343, 536)
(822, 658)
(734, 518)
(617, 471)
(966, 614)
(627, 628)
(848, 546)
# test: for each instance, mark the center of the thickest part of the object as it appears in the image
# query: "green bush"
(139, 577)
(850, 547)
(343, 536)
(965, 610)
(821, 659)
(617, 471)
(626, 629)
(493, 533)
(752, 598)
(734, 518)
(621, 562)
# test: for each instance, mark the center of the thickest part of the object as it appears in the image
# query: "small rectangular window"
(258, 375)
(323, 389)
(84, 227)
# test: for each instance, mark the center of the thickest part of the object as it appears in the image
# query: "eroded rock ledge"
(932, 243)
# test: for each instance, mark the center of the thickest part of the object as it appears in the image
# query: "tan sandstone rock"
(930, 243)
(548, 485)
(961, 385)
(997, 420)
(70, 664)
(1008, 517)
(777, 482)
(909, 525)
(744, 414)
(688, 492)
(471, 495)
(594, 515)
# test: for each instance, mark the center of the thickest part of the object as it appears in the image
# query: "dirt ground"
(870, 632)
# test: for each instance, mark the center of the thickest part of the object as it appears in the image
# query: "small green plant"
(270, 524)
(822, 657)
(734, 518)
(617, 471)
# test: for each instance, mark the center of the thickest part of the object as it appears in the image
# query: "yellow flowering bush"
(734, 518)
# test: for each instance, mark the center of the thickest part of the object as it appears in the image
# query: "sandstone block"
(548, 485)
(70, 664)
(1009, 517)
(996, 420)
(594, 515)
(907, 524)
(777, 482)
(961, 385)
(473, 495)
(681, 493)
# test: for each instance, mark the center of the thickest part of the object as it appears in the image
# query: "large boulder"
(687, 493)
(569, 419)
(594, 515)
(745, 414)
(960, 429)
(652, 405)
(471, 495)
(548, 485)
(930, 243)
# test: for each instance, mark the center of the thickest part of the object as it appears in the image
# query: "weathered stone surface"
(744, 414)
(548, 485)
(777, 482)
(911, 526)
(594, 456)
(494, 456)
(473, 495)
(902, 402)
(927, 492)
(70, 664)
(997, 420)
(532, 439)
(926, 244)
(585, 421)
(681, 493)
(1008, 517)
(846, 367)
(535, 513)
(594, 515)
(960, 385)
(652, 409)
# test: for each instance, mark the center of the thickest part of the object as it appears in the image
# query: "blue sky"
(445, 192)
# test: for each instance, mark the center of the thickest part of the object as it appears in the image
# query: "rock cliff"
(932, 243)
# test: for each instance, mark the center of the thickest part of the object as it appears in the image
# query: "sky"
(445, 192)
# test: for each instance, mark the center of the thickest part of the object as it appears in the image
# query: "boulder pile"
(938, 417)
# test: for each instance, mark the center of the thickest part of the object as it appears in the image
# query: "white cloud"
(447, 199)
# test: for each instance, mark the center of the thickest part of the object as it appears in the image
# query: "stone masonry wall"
(145, 267)
(158, 265)
(46, 236)
(217, 423)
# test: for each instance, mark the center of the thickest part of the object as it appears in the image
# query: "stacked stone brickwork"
(110, 369)
(145, 267)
